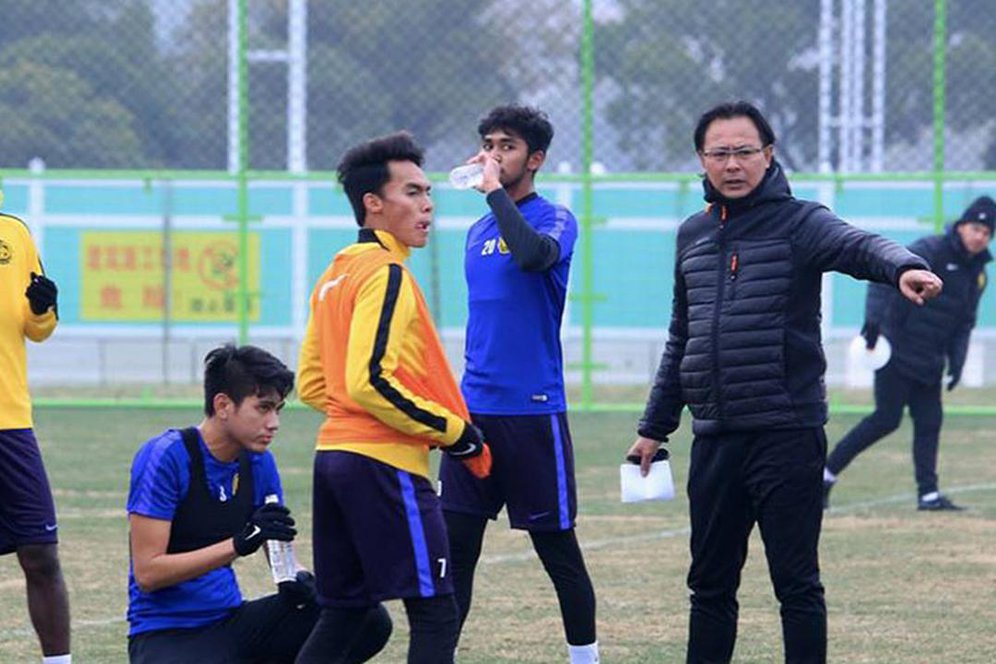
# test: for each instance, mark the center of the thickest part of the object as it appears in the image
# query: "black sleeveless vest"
(201, 519)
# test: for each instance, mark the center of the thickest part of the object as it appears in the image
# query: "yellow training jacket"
(18, 259)
(371, 360)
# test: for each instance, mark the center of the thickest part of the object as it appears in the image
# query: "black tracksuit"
(744, 354)
(922, 339)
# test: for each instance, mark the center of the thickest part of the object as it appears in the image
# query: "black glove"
(469, 445)
(870, 332)
(471, 449)
(270, 522)
(300, 592)
(955, 376)
(41, 293)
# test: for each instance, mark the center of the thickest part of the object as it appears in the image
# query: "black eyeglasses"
(721, 155)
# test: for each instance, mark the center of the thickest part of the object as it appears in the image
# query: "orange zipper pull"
(734, 265)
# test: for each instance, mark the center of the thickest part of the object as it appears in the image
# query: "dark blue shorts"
(532, 473)
(27, 512)
(378, 533)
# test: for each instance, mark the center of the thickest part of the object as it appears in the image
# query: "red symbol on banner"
(153, 297)
(110, 297)
(216, 266)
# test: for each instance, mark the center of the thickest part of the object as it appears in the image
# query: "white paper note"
(657, 485)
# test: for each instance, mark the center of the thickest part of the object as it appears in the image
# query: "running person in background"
(922, 339)
(517, 262)
(196, 503)
(372, 362)
(27, 512)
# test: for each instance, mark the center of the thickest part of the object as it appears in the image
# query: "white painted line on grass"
(590, 545)
(906, 498)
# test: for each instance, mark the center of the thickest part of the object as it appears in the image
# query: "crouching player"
(196, 503)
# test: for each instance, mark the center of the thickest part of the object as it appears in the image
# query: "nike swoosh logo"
(470, 451)
(329, 285)
(52, 527)
(539, 515)
(255, 531)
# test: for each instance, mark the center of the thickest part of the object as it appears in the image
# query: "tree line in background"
(143, 83)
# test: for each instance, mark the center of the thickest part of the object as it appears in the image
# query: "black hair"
(243, 371)
(729, 110)
(530, 124)
(363, 169)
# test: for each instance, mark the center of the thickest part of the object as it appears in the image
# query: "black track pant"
(773, 479)
(892, 392)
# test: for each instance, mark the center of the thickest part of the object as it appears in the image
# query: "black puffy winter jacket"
(923, 337)
(744, 350)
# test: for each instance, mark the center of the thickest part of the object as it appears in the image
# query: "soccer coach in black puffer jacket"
(744, 353)
(922, 339)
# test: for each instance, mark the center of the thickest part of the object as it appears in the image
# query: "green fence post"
(242, 216)
(587, 241)
(940, 38)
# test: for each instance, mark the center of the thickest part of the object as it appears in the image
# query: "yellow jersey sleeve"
(310, 375)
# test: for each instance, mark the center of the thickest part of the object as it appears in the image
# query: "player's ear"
(223, 405)
(372, 203)
(535, 160)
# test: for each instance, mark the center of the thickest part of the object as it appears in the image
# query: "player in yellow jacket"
(27, 511)
(371, 360)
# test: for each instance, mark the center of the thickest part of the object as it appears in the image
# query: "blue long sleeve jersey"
(514, 360)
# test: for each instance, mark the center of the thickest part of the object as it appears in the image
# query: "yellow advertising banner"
(124, 276)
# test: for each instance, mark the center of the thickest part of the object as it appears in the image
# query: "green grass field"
(902, 586)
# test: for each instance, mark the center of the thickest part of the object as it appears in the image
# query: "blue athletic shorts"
(378, 533)
(27, 512)
(532, 473)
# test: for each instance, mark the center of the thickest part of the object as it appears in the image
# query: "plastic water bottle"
(283, 564)
(467, 176)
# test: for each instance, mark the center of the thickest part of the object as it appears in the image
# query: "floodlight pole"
(823, 158)
(878, 88)
(841, 44)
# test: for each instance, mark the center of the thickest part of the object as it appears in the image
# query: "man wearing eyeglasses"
(922, 340)
(744, 354)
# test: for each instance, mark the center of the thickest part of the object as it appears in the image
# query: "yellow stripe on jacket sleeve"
(310, 376)
(385, 308)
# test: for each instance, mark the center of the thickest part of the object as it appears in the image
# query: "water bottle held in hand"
(283, 564)
(467, 176)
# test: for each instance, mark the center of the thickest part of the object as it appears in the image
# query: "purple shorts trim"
(378, 533)
(532, 473)
(27, 511)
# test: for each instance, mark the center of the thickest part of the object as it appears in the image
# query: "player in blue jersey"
(196, 503)
(517, 261)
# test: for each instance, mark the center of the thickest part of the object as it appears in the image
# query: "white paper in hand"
(657, 485)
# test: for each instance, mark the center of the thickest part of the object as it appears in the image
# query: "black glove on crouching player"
(300, 592)
(272, 521)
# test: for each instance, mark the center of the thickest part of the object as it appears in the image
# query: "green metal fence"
(245, 91)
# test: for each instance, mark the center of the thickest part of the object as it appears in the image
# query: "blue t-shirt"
(160, 476)
(514, 361)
